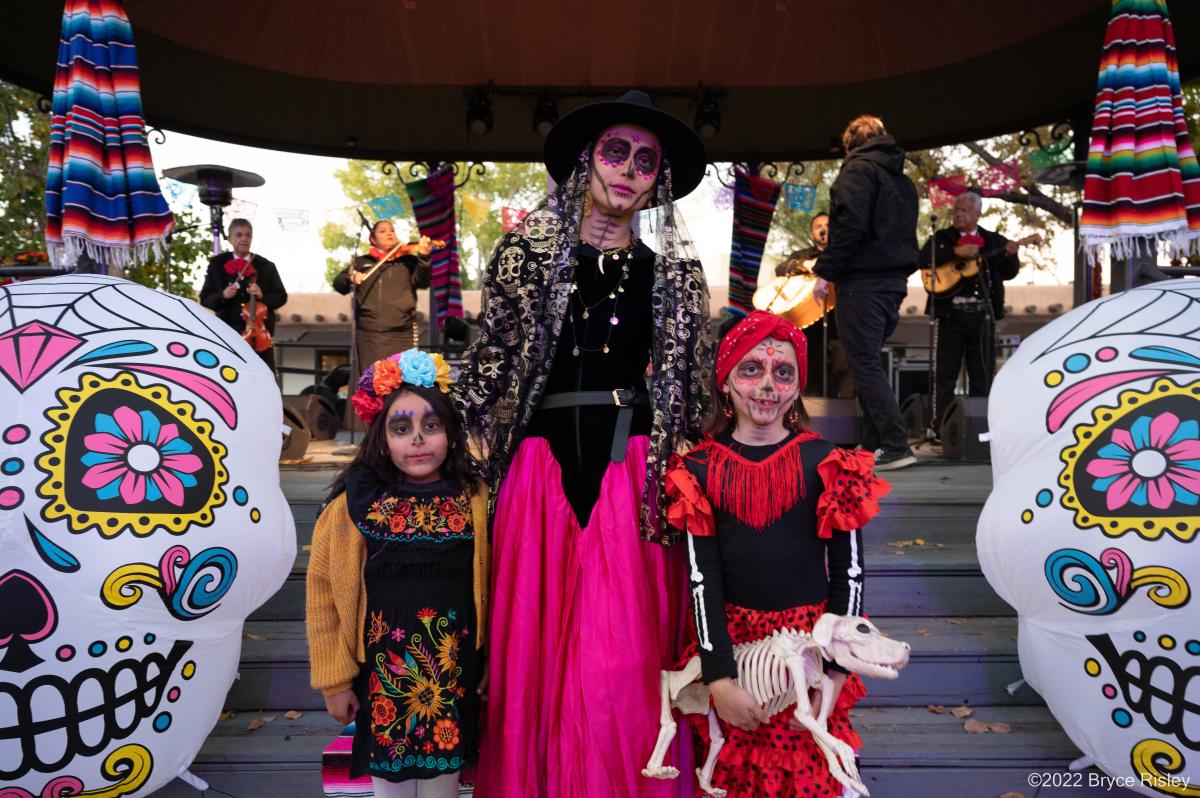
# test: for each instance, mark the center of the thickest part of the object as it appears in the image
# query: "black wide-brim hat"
(682, 148)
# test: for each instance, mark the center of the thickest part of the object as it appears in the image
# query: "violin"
(254, 312)
(402, 250)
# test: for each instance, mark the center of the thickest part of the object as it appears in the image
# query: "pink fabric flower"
(1155, 462)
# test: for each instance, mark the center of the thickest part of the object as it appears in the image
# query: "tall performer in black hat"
(589, 592)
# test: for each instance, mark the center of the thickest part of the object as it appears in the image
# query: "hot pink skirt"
(582, 621)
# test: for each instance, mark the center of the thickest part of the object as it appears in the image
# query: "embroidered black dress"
(419, 713)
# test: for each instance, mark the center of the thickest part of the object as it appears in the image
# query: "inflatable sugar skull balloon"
(141, 521)
(1091, 528)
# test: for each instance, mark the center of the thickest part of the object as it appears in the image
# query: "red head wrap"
(753, 329)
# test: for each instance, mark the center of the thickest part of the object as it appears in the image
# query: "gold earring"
(587, 204)
(793, 418)
(727, 409)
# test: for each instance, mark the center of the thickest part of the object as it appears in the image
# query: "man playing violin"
(965, 318)
(235, 278)
(385, 293)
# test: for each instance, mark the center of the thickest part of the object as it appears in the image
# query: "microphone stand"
(355, 369)
(932, 429)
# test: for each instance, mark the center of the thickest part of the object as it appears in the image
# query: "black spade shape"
(1094, 501)
(84, 423)
(27, 615)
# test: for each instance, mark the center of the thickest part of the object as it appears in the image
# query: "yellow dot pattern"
(255, 515)
(1054, 378)
(1092, 667)
(1167, 642)
(124, 643)
(229, 374)
(189, 670)
(1027, 516)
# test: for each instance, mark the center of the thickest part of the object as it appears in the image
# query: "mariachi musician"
(385, 283)
(244, 289)
(822, 381)
(966, 310)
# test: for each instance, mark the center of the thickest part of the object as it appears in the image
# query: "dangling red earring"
(727, 408)
(793, 418)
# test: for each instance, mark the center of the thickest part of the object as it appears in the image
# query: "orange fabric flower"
(456, 522)
(383, 712)
(445, 733)
(387, 377)
(398, 523)
(852, 491)
(688, 509)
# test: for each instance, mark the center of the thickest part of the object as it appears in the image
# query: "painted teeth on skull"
(1158, 689)
(130, 691)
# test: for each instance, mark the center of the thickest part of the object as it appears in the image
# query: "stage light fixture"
(708, 118)
(545, 115)
(479, 115)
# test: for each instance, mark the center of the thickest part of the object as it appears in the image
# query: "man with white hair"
(966, 313)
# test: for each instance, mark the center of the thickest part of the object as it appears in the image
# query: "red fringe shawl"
(757, 494)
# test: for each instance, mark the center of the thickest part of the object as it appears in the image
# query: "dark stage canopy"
(368, 79)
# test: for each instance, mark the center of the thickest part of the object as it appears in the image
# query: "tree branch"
(1036, 199)
(988, 158)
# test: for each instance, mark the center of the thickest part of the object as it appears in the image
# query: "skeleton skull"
(858, 646)
(1090, 528)
(141, 521)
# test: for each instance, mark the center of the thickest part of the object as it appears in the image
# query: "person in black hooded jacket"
(872, 251)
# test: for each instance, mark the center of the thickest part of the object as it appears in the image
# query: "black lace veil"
(526, 289)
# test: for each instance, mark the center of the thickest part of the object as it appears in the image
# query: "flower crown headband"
(412, 367)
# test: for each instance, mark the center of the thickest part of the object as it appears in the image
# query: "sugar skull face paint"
(625, 163)
(764, 384)
(416, 438)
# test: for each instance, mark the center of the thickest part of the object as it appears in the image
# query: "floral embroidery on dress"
(413, 694)
(439, 519)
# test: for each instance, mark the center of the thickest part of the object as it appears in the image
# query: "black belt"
(625, 399)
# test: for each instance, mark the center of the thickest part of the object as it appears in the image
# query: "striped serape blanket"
(102, 197)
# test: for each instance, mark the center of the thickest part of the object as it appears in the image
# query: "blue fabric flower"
(418, 368)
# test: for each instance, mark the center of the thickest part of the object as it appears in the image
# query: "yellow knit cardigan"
(336, 601)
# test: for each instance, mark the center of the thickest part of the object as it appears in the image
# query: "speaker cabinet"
(915, 412)
(965, 420)
(317, 412)
(295, 444)
(835, 420)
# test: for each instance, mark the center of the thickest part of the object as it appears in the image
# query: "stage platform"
(923, 585)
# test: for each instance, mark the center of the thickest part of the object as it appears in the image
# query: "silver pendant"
(614, 321)
(585, 313)
(606, 349)
(575, 351)
(601, 263)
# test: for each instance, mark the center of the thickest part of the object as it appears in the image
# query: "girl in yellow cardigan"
(397, 582)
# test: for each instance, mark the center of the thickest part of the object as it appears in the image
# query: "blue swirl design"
(1083, 584)
(200, 589)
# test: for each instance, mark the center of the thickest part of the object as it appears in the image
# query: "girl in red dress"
(773, 515)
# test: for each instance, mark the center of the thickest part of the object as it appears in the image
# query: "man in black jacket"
(233, 277)
(872, 251)
(385, 295)
(965, 316)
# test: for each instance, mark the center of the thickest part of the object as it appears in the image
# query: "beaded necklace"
(622, 256)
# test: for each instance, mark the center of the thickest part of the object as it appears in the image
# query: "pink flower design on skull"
(1155, 462)
(135, 456)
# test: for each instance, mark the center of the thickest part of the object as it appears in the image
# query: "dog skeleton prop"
(778, 671)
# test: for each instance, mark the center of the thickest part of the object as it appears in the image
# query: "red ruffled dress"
(775, 540)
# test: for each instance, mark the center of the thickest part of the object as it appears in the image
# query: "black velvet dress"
(581, 437)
